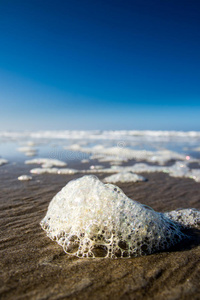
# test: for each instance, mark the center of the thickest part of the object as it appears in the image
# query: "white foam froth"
(24, 178)
(186, 217)
(85, 161)
(67, 171)
(124, 154)
(91, 219)
(195, 174)
(106, 158)
(28, 150)
(178, 169)
(96, 167)
(64, 171)
(3, 161)
(124, 177)
(46, 162)
(39, 171)
(113, 147)
(97, 134)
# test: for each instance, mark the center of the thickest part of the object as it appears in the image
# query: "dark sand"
(34, 267)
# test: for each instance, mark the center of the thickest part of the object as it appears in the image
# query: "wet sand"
(34, 267)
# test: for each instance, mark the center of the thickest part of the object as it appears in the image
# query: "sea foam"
(24, 178)
(46, 162)
(63, 171)
(124, 177)
(178, 169)
(3, 161)
(90, 219)
(189, 217)
(124, 154)
(28, 150)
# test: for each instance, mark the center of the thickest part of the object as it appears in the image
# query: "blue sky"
(100, 64)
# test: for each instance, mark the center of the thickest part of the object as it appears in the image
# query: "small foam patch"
(64, 171)
(91, 219)
(189, 217)
(24, 178)
(3, 161)
(124, 177)
(28, 150)
(46, 162)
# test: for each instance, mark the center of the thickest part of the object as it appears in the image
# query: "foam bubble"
(39, 171)
(96, 167)
(109, 158)
(189, 217)
(46, 162)
(90, 219)
(178, 169)
(64, 171)
(124, 177)
(30, 143)
(24, 178)
(195, 174)
(28, 150)
(85, 161)
(3, 161)
(103, 135)
(124, 154)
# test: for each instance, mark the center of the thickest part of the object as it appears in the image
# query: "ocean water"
(51, 143)
(174, 152)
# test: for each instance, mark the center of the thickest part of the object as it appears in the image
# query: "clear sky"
(91, 64)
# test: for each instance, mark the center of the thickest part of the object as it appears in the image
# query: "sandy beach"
(34, 267)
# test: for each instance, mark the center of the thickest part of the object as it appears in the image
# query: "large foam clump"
(91, 219)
